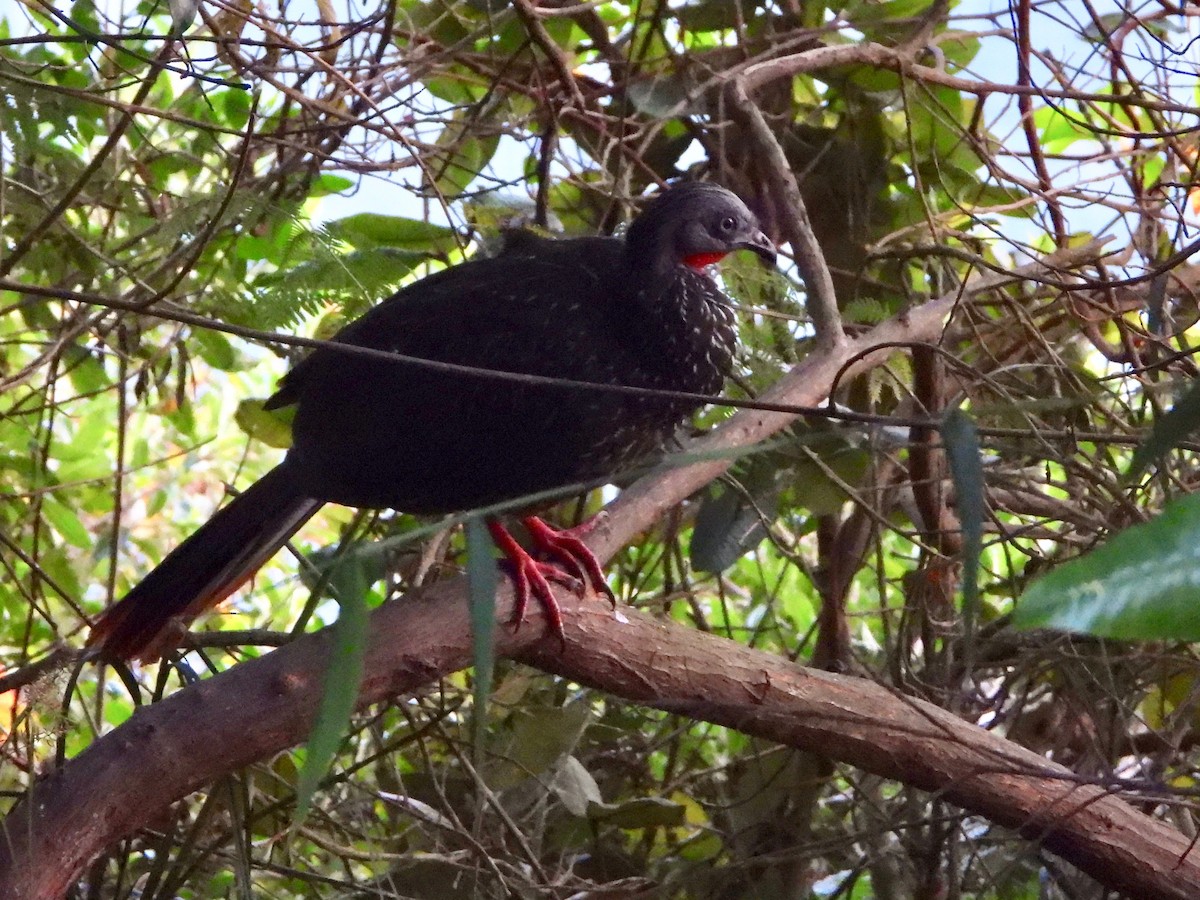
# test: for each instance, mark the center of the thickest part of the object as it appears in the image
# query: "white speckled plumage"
(604, 310)
(377, 433)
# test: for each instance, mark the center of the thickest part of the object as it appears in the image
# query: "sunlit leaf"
(1141, 584)
(271, 426)
(1059, 129)
(329, 183)
(369, 230)
(67, 523)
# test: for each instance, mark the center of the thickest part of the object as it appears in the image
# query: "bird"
(642, 310)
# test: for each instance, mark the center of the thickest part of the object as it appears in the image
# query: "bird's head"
(694, 224)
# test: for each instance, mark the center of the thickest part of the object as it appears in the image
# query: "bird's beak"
(761, 244)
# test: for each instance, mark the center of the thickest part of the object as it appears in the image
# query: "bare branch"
(822, 302)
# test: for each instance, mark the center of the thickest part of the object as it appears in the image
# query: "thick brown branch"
(862, 723)
(130, 776)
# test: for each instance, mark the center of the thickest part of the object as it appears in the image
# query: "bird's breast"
(697, 334)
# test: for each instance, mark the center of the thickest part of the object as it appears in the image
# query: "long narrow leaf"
(342, 681)
(481, 589)
(966, 470)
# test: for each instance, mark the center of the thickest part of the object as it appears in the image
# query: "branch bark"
(164, 752)
(822, 299)
(130, 776)
(900, 60)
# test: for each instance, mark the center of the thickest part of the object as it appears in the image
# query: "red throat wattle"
(702, 260)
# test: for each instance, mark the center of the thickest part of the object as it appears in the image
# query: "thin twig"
(822, 300)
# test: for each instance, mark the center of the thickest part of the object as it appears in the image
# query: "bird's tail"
(205, 569)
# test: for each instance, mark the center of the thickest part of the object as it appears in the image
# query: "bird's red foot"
(566, 546)
(576, 568)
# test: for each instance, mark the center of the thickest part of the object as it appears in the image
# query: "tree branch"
(130, 776)
(899, 59)
(164, 752)
(822, 299)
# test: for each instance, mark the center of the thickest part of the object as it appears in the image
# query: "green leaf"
(235, 104)
(251, 246)
(342, 681)
(1058, 131)
(368, 230)
(481, 592)
(463, 154)
(644, 812)
(328, 183)
(727, 526)
(215, 349)
(87, 373)
(959, 47)
(437, 18)
(966, 471)
(365, 271)
(872, 79)
(866, 310)
(55, 563)
(937, 120)
(1152, 168)
(813, 481)
(271, 426)
(1142, 584)
(83, 14)
(1169, 430)
(455, 90)
(93, 433)
(863, 13)
(67, 524)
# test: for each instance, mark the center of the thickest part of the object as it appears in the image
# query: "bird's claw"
(568, 548)
(574, 566)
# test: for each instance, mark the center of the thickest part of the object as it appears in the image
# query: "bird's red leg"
(568, 548)
(531, 576)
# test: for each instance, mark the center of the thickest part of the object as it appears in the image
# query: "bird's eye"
(728, 223)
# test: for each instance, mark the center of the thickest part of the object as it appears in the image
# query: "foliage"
(282, 170)
(1141, 584)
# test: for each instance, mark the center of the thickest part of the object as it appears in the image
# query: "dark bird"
(369, 432)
